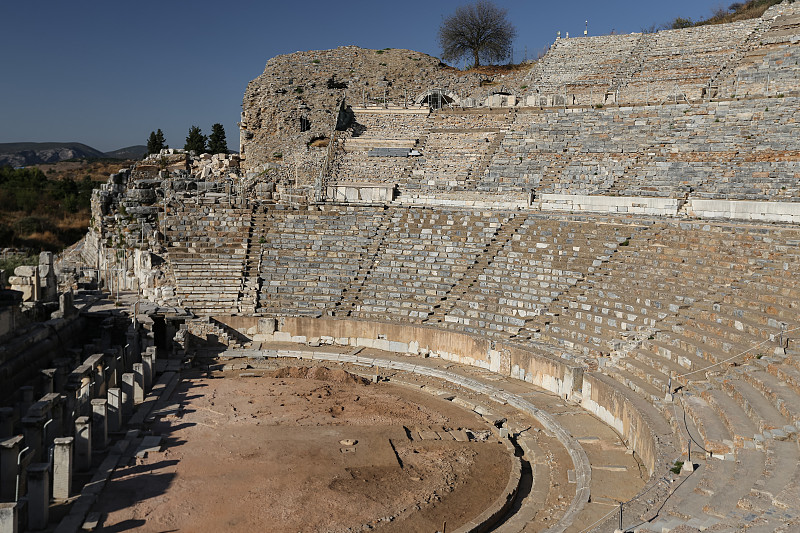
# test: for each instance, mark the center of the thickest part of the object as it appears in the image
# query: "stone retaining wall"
(614, 205)
(744, 210)
(559, 376)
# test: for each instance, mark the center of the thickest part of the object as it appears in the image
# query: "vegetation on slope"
(48, 211)
(736, 11)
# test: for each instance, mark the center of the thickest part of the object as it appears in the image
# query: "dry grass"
(750, 10)
(96, 169)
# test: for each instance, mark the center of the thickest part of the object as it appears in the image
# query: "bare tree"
(480, 30)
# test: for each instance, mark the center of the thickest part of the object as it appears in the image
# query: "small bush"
(598, 106)
(315, 61)
(677, 468)
(14, 261)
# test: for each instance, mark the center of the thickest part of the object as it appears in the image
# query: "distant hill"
(131, 152)
(28, 153)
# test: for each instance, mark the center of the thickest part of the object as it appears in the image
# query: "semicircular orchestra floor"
(284, 439)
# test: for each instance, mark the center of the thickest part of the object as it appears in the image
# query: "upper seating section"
(378, 125)
(772, 66)
(376, 150)
(579, 71)
(722, 150)
(756, 57)
(471, 119)
(677, 65)
(452, 158)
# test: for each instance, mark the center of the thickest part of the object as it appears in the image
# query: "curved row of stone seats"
(356, 160)
(579, 71)
(408, 264)
(308, 259)
(650, 151)
(453, 159)
(650, 279)
(207, 252)
(671, 65)
(770, 66)
(422, 256)
(538, 263)
(380, 123)
(734, 321)
(680, 63)
(361, 167)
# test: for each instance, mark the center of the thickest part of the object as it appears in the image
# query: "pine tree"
(195, 141)
(216, 141)
(156, 142)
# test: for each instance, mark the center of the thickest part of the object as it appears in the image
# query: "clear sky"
(106, 73)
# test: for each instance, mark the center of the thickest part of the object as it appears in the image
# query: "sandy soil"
(307, 450)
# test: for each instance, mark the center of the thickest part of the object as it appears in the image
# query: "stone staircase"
(471, 277)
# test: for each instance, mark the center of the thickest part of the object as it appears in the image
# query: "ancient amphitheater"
(560, 299)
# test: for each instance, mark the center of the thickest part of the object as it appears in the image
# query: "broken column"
(9, 467)
(99, 424)
(148, 362)
(98, 375)
(83, 444)
(6, 422)
(62, 468)
(70, 406)
(62, 366)
(138, 383)
(32, 429)
(38, 495)
(9, 517)
(112, 368)
(48, 378)
(114, 410)
(26, 393)
(128, 385)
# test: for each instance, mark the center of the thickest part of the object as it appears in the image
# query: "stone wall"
(624, 413)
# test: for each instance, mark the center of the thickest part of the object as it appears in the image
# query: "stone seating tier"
(652, 151)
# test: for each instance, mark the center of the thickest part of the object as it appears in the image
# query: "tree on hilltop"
(216, 141)
(480, 30)
(156, 142)
(195, 141)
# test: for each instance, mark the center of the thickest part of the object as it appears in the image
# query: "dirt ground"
(299, 449)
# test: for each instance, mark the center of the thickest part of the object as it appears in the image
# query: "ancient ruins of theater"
(602, 246)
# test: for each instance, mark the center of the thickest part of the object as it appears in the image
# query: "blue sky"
(107, 73)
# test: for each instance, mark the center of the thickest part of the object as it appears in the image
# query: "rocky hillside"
(295, 100)
(28, 154)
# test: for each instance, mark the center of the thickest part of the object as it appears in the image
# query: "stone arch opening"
(438, 98)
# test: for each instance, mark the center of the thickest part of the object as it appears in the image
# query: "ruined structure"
(615, 224)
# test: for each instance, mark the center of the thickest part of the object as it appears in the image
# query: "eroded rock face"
(296, 100)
